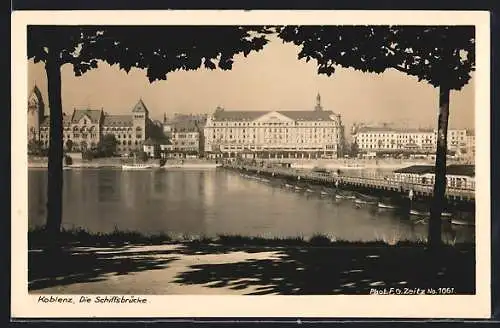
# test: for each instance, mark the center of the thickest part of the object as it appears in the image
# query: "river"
(212, 202)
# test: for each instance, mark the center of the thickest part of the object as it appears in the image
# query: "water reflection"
(215, 202)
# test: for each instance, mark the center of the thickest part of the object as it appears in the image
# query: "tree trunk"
(55, 170)
(440, 170)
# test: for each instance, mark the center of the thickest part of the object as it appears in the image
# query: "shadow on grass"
(297, 266)
(340, 270)
(73, 265)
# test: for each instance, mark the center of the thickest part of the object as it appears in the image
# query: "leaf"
(430, 53)
(209, 64)
(134, 46)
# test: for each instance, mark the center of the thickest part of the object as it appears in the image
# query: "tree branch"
(401, 69)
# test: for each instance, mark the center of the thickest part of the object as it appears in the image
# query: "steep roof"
(454, 169)
(297, 115)
(37, 93)
(389, 129)
(117, 120)
(140, 107)
(93, 114)
(150, 142)
(416, 169)
(305, 115)
(66, 121)
(237, 115)
(157, 141)
(459, 169)
(185, 126)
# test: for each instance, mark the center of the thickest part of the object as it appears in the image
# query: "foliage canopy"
(439, 55)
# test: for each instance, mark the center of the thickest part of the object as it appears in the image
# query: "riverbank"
(37, 238)
(304, 164)
(117, 162)
(241, 265)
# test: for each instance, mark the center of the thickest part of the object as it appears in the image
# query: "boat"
(362, 201)
(462, 222)
(135, 167)
(444, 215)
(197, 166)
(288, 185)
(340, 196)
(383, 205)
(309, 190)
(419, 213)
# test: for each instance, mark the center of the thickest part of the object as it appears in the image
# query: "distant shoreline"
(118, 162)
(44, 166)
(331, 164)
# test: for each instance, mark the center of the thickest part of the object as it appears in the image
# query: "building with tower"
(36, 114)
(84, 128)
(312, 133)
(318, 107)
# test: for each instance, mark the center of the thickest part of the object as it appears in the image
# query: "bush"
(88, 155)
(68, 160)
(143, 156)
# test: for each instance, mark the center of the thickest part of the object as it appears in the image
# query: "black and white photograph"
(289, 164)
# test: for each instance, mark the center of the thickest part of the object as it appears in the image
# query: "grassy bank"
(123, 262)
(37, 238)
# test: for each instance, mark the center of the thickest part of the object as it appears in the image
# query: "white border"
(477, 306)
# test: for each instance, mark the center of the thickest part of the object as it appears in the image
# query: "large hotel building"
(372, 139)
(86, 127)
(273, 134)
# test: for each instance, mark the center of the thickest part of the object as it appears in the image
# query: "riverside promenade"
(375, 185)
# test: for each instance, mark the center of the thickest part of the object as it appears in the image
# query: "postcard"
(299, 164)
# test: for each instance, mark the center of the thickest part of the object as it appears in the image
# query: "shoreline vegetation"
(37, 238)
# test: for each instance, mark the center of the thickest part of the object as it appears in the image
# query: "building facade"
(83, 129)
(471, 144)
(273, 134)
(391, 140)
(185, 139)
(186, 134)
(457, 176)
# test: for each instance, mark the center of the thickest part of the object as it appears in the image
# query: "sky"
(272, 79)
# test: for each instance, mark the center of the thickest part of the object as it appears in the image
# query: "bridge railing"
(467, 189)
